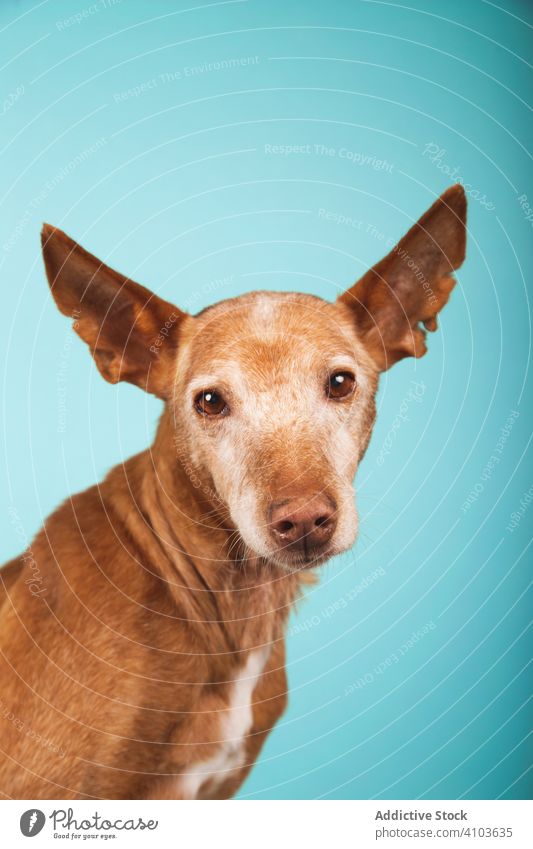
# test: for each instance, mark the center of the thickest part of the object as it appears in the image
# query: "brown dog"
(142, 634)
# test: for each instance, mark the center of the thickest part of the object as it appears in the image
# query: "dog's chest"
(235, 723)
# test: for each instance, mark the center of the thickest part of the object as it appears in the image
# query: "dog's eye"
(210, 403)
(341, 384)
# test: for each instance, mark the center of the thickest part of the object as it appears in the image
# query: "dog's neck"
(240, 600)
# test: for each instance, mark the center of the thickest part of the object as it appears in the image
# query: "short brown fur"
(117, 660)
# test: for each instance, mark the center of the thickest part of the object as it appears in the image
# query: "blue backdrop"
(210, 149)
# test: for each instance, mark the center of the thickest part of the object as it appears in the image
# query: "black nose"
(303, 524)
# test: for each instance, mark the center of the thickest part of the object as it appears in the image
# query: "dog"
(142, 633)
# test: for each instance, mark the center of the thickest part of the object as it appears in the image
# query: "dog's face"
(272, 395)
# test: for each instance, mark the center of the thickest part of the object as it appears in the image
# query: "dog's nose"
(303, 524)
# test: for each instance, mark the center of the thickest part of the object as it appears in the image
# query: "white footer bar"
(269, 824)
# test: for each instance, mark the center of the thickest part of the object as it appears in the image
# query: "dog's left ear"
(132, 334)
(412, 284)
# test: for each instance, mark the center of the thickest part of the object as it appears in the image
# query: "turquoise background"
(176, 186)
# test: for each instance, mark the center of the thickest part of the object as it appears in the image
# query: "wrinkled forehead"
(266, 334)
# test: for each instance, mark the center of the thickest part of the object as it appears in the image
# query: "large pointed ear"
(412, 284)
(132, 334)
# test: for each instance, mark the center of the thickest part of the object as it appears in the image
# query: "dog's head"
(271, 394)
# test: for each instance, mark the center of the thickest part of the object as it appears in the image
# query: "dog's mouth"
(304, 553)
(296, 561)
(287, 558)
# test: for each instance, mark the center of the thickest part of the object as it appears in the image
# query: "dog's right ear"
(132, 334)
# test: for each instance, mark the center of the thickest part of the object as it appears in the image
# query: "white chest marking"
(235, 724)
